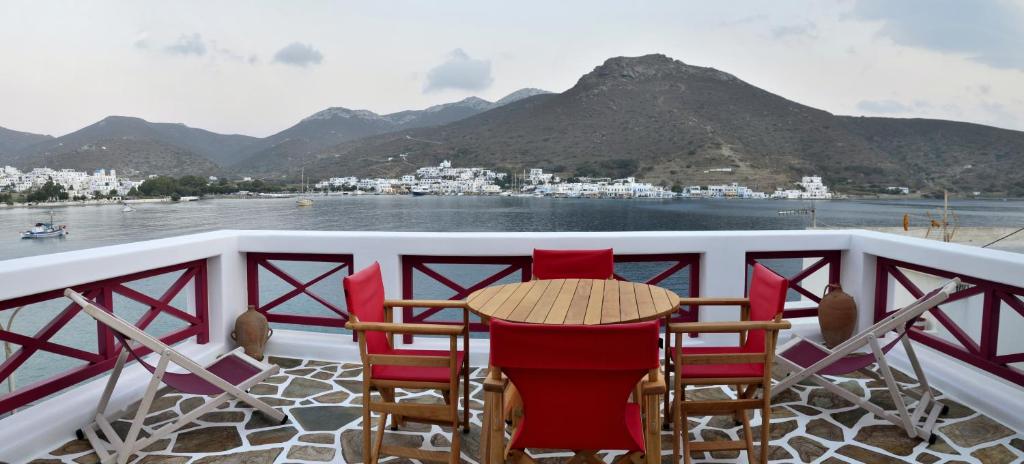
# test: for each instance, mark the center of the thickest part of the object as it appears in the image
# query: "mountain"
(663, 120)
(133, 157)
(219, 149)
(336, 125)
(12, 142)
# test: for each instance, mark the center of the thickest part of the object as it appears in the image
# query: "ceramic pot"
(252, 332)
(837, 316)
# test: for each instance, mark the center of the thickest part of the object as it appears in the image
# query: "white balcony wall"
(33, 429)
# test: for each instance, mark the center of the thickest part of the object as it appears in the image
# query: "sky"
(257, 67)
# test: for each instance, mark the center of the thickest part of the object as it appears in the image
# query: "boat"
(419, 191)
(304, 200)
(127, 208)
(45, 230)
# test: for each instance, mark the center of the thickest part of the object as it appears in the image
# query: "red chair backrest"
(767, 299)
(573, 264)
(575, 381)
(364, 295)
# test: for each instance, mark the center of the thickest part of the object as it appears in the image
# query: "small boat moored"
(46, 230)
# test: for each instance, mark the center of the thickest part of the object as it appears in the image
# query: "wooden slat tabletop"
(573, 301)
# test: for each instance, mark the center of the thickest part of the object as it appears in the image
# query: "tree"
(50, 191)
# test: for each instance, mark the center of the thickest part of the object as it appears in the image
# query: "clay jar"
(837, 315)
(252, 332)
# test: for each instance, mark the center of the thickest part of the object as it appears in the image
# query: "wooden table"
(573, 301)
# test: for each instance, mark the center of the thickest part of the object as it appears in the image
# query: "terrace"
(188, 290)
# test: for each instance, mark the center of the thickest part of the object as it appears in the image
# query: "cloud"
(298, 54)
(807, 29)
(187, 44)
(882, 106)
(460, 72)
(988, 32)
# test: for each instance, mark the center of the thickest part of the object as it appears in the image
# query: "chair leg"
(677, 426)
(748, 434)
(388, 395)
(766, 419)
(379, 439)
(367, 429)
(456, 456)
(465, 397)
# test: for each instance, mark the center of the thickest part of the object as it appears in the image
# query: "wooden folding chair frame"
(493, 450)
(917, 423)
(745, 397)
(446, 414)
(123, 449)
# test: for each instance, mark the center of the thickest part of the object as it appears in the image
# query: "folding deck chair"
(803, 359)
(227, 378)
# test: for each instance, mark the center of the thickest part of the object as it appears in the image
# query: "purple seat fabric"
(231, 368)
(805, 354)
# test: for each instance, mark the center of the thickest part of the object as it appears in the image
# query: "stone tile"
(279, 435)
(941, 446)
(887, 437)
(258, 421)
(264, 389)
(321, 438)
(883, 399)
(852, 386)
(285, 363)
(276, 379)
(72, 447)
(997, 454)
(352, 443)
(834, 460)
(164, 459)
(975, 431)
(334, 397)
(776, 431)
(782, 412)
(91, 458)
(223, 416)
(267, 456)
(325, 418)
(804, 410)
(775, 453)
(323, 375)
(788, 396)
(191, 404)
(315, 363)
(164, 402)
(160, 418)
(351, 373)
(824, 429)
(301, 387)
(956, 410)
(300, 372)
(849, 418)
(927, 458)
(824, 399)
(275, 401)
(1017, 443)
(46, 461)
(158, 445)
(807, 449)
(711, 435)
(867, 456)
(207, 440)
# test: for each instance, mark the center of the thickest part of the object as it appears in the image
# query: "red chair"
(575, 383)
(573, 264)
(386, 368)
(746, 365)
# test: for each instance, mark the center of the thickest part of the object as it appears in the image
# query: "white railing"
(722, 267)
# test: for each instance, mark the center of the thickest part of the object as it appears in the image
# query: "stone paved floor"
(323, 400)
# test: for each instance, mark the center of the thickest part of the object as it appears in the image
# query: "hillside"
(336, 125)
(131, 157)
(12, 142)
(219, 149)
(666, 121)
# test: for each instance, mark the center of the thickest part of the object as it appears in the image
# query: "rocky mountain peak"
(627, 70)
(341, 112)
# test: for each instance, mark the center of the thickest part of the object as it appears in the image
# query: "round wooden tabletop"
(573, 301)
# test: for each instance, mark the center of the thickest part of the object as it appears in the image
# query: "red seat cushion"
(416, 373)
(719, 370)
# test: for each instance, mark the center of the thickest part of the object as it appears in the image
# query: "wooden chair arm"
(412, 329)
(738, 326)
(710, 301)
(496, 385)
(654, 387)
(426, 304)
